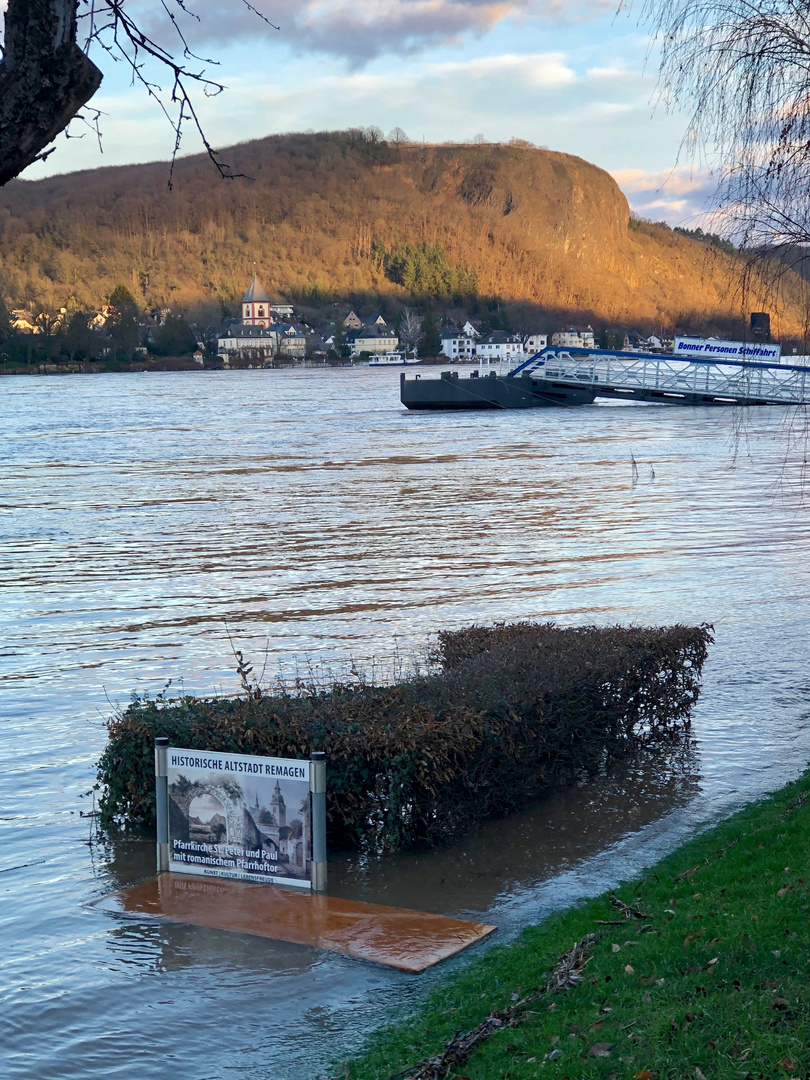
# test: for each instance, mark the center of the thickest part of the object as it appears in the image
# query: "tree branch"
(45, 79)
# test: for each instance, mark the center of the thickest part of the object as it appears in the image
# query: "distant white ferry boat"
(391, 359)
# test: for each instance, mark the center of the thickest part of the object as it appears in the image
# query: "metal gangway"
(667, 379)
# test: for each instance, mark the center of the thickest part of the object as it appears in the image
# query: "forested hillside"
(334, 217)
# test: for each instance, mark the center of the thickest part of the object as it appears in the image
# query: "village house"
(457, 345)
(576, 337)
(260, 343)
(292, 341)
(534, 343)
(373, 339)
(461, 346)
(498, 346)
(247, 342)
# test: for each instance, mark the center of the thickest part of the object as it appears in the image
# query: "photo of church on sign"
(239, 817)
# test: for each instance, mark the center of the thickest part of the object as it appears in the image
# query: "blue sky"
(576, 77)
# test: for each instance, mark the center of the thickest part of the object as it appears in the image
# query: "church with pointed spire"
(256, 305)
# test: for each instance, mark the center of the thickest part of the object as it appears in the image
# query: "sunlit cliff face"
(527, 225)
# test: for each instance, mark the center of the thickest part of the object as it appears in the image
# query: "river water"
(307, 514)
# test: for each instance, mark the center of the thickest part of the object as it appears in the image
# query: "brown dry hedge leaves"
(510, 711)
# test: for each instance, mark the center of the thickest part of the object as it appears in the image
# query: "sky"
(573, 76)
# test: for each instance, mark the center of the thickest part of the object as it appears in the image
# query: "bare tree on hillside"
(47, 78)
(398, 137)
(410, 329)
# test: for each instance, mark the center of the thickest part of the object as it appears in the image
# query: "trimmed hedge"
(510, 711)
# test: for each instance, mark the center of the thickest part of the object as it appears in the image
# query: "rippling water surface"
(320, 523)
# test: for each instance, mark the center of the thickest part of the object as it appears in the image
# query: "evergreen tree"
(175, 337)
(122, 326)
(339, 343)
(424, 270)
(5, 321)
(431, 337)
(80, 342)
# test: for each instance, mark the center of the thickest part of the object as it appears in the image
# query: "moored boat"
(492, 391)
(392, 359)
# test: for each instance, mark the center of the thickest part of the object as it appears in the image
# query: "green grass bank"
(712, 982)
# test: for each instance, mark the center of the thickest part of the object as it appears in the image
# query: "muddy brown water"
(326, 527)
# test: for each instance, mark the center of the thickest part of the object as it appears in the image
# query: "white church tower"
(256, 305)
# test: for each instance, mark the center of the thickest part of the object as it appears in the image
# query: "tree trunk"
(45, 79)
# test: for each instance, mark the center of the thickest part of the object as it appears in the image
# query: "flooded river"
(145, 516)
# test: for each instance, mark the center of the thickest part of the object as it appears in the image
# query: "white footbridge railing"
(671, 379)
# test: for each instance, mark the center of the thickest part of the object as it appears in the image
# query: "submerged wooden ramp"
(408, 940)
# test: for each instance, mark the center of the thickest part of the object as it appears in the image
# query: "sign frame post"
(162, 804)
(317, 786)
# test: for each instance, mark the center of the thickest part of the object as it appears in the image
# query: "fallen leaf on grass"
(780, 1003)
(783, 890)
(615, 947)
(643, 1074)
(698, 1074)
(788, 1063)
(628, 970)
(601, 1049)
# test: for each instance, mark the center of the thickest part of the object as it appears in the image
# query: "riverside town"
(405, 592)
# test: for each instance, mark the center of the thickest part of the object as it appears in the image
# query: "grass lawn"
(714, 984)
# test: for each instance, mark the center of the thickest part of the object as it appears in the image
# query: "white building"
(260, 343)
(498, 346)
(534, 343)
(257, 342)
(576, 337)
(457, 346)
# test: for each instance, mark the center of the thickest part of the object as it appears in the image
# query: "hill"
(343, 217)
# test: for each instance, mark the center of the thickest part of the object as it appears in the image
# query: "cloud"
(680, 196)
(544, 70)
(357, 30)
(565, 98)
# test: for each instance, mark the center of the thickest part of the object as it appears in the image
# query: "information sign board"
(239, 816)
(705, 348)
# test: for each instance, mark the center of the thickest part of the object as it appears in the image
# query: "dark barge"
(569, 376)
(492, 391)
